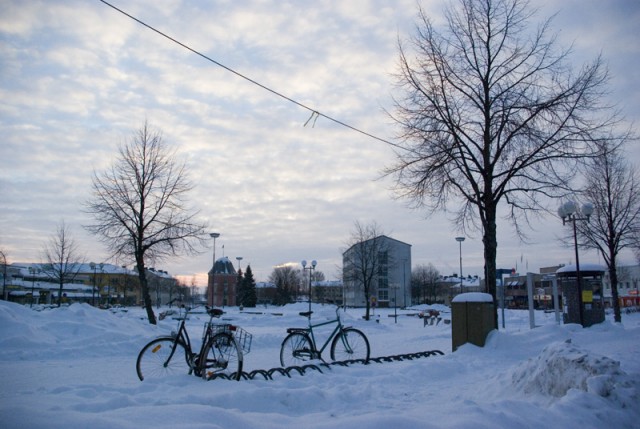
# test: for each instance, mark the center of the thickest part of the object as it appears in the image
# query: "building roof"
(583, 268)
(379, 237)
(223, 266)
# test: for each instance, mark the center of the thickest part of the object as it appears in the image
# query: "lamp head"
(314, 263)
(460, 239)
(561, 212)
(587, 210)
(304, 263)
(570, 207)
(214, 234)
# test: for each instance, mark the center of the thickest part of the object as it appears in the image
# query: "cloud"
(78, 78)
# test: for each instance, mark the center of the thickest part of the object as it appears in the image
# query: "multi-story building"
(388, 262)
(96, 284)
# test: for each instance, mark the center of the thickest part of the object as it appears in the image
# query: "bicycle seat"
(298, 330)
(214, 312)
(306, 313)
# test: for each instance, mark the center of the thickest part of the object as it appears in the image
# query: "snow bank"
(563, 366)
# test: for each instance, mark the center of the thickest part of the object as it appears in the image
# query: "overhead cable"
(314, 112)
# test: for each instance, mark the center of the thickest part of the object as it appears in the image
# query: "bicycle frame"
(182, 336)
(335, 331)
(219, 355)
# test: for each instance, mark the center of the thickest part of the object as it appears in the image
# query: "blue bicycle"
(347, 343)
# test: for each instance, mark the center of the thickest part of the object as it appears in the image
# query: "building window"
(383, 283)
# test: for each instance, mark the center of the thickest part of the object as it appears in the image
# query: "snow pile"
(60, 332)
(562, 366)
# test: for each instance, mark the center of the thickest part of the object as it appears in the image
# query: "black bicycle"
(300, 345)
(220, 354)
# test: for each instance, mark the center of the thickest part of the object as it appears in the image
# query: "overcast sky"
(77, 78)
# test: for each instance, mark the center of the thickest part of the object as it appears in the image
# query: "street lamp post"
(109, 293)
(239, 297)
(460, 240)
(124, 290)
(311, 268)
(93, 289)
(32, 271)
(213, 235)
(569, 212)
(395, 287)
(94, 267)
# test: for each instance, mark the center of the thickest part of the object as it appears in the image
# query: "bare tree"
(424, 278)
(364, 260)
(613, 187)
(492, 113)
(287, 280)
(140, 208)
(62, 258)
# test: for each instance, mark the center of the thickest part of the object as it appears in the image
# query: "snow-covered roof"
(223, 266)
(262, 285)
(82, 268)
(473, 297)
(583, 267)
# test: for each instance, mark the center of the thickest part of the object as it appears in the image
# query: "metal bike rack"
(268, 374)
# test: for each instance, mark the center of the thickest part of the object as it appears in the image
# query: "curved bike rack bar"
(267, 374)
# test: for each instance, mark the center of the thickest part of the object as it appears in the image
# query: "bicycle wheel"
(350, 344)
(296, 350)
(162, 357)
(223, 358)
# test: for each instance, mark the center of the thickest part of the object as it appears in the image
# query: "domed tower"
(222, 283)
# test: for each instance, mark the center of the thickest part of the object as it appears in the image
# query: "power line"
(314, 113)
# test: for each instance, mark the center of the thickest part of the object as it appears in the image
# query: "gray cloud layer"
(77, 78)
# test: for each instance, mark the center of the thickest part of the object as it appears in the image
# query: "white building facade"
(391, 283)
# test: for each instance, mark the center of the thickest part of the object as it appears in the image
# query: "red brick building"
(223, 280)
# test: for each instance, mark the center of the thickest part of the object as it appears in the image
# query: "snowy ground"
(75, 368)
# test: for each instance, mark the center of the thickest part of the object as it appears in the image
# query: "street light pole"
(395, 302)
(460, 240)
(213, 235)
(239, 296)
(569, 212)
(311, 268)
(33, 282)
(93, 289)
(124, 290)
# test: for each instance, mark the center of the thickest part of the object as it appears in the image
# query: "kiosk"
(582, 294)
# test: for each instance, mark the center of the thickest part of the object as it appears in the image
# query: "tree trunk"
(60, 293)
(490, 252)
(613, 276)
(146, 296)
(367, 301)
